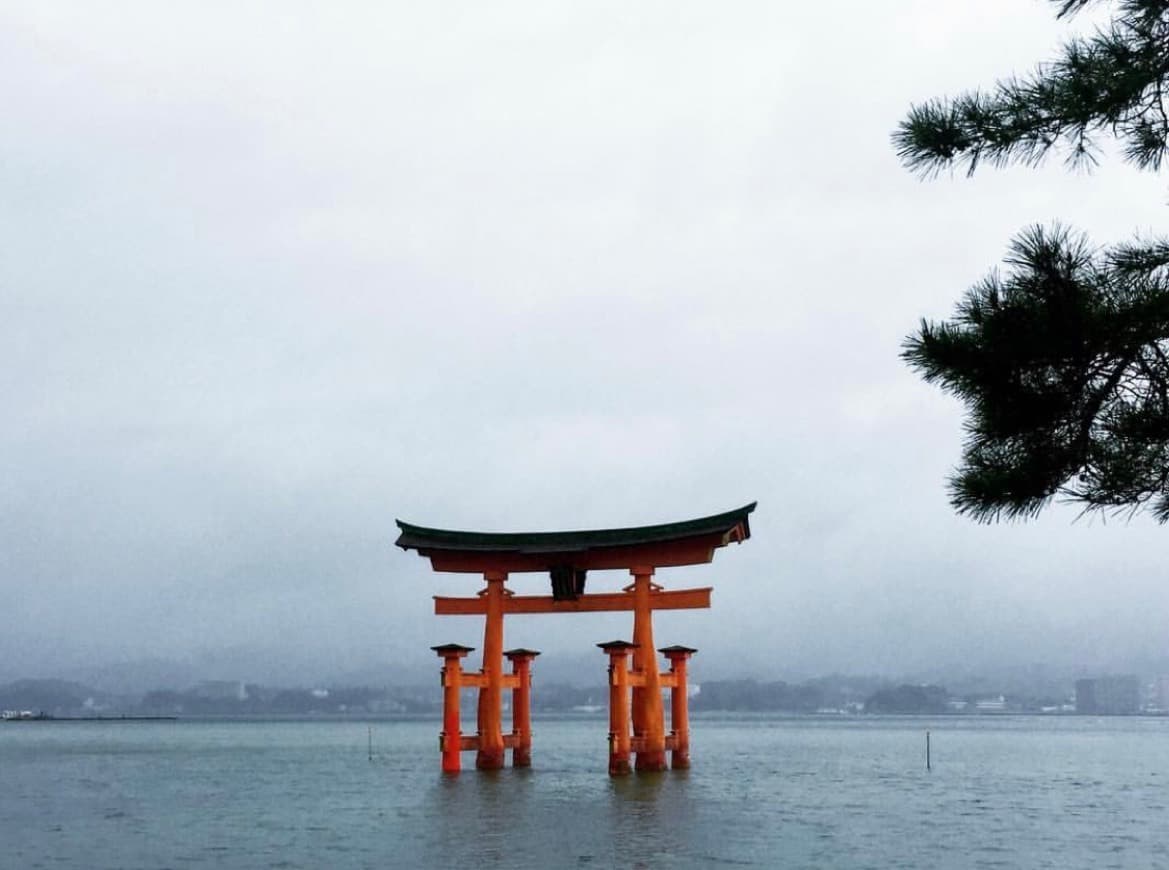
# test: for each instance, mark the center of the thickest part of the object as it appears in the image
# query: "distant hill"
(57, 697)
(823, 693)
(908, 699)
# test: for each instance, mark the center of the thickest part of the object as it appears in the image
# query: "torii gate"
(567, 557)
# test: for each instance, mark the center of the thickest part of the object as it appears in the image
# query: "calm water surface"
(764, 792)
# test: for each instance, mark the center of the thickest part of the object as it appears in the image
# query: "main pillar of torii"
(567, 557)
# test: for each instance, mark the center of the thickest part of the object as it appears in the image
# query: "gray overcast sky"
(274, 274)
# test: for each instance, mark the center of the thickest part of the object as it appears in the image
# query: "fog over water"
(276, 275)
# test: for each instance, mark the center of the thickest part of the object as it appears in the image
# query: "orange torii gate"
(635, 699)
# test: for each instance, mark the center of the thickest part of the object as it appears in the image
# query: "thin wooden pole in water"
(371, 743)
(927, 751)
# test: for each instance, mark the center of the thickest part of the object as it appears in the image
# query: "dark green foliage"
(1062, 364)
(1061, 360)
(1112, 82)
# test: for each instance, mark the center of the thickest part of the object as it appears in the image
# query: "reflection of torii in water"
(567, 557)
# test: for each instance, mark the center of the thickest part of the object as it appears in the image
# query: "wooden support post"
(450, 740)
(521, 706)
(490, 755)
(648, 713)
(679, 706)
(618, 652)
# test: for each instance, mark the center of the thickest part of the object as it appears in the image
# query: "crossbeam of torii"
(568, 557)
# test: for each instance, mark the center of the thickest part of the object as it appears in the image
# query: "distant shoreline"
(563, 715)
(45, 718)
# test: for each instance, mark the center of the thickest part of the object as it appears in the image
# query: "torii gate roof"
(689, 542)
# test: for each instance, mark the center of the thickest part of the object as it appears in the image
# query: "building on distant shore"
(1159, 695)
(991, 705)
(221, 690)
(1109, 696)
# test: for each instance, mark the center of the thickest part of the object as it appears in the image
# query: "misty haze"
(256, 310)
(277, 275)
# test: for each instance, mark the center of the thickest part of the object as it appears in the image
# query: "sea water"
(764, 791)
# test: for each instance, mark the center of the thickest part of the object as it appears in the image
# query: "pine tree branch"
(1111, 82)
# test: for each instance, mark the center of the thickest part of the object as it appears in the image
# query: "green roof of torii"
(426, 540)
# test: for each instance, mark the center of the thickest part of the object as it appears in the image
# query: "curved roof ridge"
(421, 538)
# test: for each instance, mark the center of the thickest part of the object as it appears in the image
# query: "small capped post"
(619, 692)
(679, 705)
(521, 705)
(450, 740)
